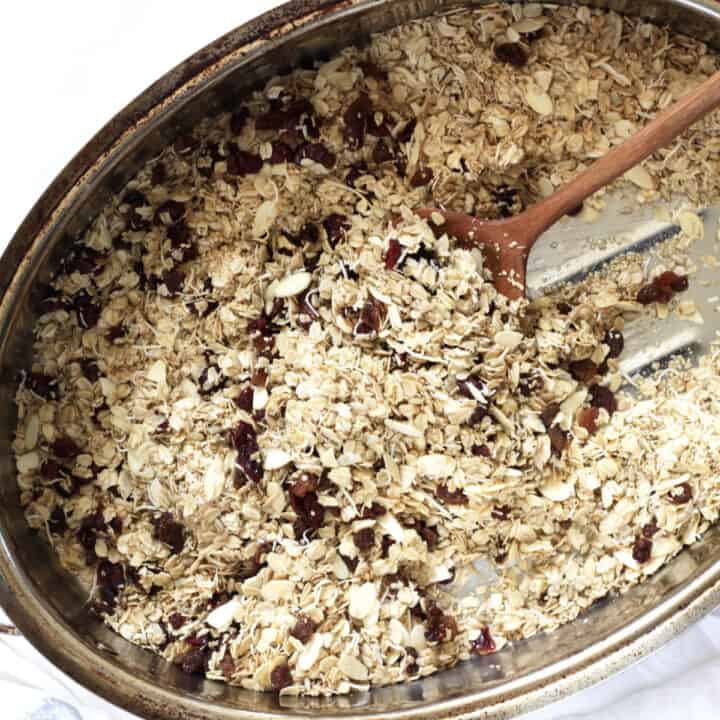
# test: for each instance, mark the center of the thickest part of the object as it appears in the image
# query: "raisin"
(371, 318)
(356, 118)
(587, 418)
(110, 577)
(65, 448)
(428, 534)
(306, 483)
(484, 643)
(245, 399)
(317, 152)
(169, 532)
(281, 153)
(642, 549)
(336, 227)
(135, 198)
(173, 281)
(471, 387)
(383, 153)
(374, 511)
(480, 450)
(194, 661)
(304, 628)
(440, 627)
(451, 497)
(240, 163)
(615, 341)
(364, 539)
(57, 522)
(673, 281)
(583, 370)
(357, 170)
(238, 120)
(512, 53)
(281, 677)
(169, 212)
(392, 256)
(310, 512)
(549, 413)
(370, 69)
(159, 174)
(681, 494)
(351, 563)
(88, 312)
(478, 415)
(653, 293)
(558, 439)
(423, 176)
(115, 332)
(43, 385)
(90, 369)
(603, 397)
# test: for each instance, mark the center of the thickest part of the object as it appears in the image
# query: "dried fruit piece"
(393, 254)
(318, 153)
(281, 677)
(471, 387)
(480, 451)
(512, 53)
(559, 439)
(603, 397)
(440, 627)
(642, 549)
(652, 293)
(238, 120)
(484, 643)
(169, 532)
(364, 539)
(356, 118)
(451, 497)
(43, 385)
(583, 370)
(669, 279)
(336, 227)
(65, 448)
(195, 660)
(240, 163)
(549, 414)
(615, 341)
(423, 176)
(371, 318)
(304, 628)
(587, 418)
(680, 494)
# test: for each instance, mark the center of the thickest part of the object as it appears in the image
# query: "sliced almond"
(294, 284)
(436, 466)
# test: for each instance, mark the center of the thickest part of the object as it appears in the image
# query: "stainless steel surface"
(49, 608)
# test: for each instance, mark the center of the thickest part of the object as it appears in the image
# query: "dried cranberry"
(169, 212)
(306, 483)
(310, 512)
(364, 539)
(371, 318)
(451, 497)
(238, 120)
(558, 439)
(603, 397)
(57, 522)
(317, 152)
(642, 549)
(194, 661)
(245, 399)
(440, 627)
(511, 53)
(653, 293)
(471, 387)
(673, 281)
(615, 341)
(484, 643)
(176, 620)
(65, 448)
(423, 176)
(650, 530)
(169, 532)
(185, 144)
(240, 163)
(304, 628)
(90, 369)
(681, 494)
(173, 281)
(280, 677)
(549, 413)
(88, 312)
(356, 118)
(43, 385)
(583, 370)
(336, 227)
(393, 254)
(587, 418)
(159, 174)
(480, 450)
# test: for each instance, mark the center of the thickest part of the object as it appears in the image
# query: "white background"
(67, 68)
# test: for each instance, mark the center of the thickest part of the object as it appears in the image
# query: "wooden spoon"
(507, 243)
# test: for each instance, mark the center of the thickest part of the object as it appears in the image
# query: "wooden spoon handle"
(656, 134)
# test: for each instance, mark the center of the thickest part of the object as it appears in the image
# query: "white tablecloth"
(68, 67)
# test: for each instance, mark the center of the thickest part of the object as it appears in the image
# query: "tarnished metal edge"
(36, 619)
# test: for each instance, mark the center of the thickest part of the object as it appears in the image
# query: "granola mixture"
(277, 423)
